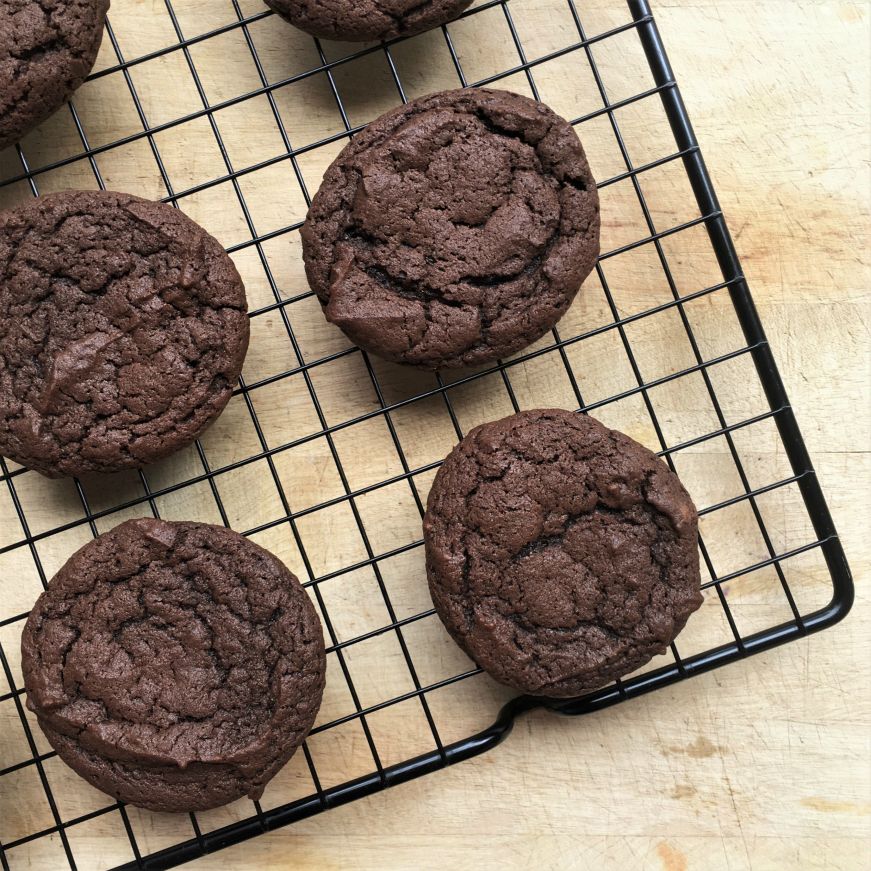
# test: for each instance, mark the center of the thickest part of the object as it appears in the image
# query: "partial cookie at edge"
(47, 49)
(363, 20)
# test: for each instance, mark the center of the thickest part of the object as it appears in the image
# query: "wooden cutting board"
(765, 764)
(762, 765)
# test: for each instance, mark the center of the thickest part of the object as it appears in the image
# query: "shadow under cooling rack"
(325, 456)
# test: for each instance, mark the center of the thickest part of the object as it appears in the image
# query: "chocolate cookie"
(362, 20)
(560, 554)
(454, 230)
(47, 49)
(123, 329)
(175, 666)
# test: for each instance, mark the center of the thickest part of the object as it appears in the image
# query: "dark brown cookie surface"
(454, 230)
(560, 554)
(176, 666)
(47, 49)
(123, 329)
(362, 20)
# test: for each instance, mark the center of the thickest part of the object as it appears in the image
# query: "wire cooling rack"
(325, 456)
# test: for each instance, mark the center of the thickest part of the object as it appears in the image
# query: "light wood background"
(762, 765)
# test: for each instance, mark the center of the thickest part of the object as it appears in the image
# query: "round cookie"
(123, 329)
(175, 666)
(560, 554)
(47, 49)
(364, 20)
(454, 230)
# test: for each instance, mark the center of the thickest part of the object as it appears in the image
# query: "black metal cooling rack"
(755, 347)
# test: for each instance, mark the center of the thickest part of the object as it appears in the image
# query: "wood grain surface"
(761, 765)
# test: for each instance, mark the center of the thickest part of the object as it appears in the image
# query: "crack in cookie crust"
(560, 554)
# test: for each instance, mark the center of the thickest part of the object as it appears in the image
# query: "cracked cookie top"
(47, 49)
(181, 649)
(362, 20)
(123, 328)
(454, 230)
(560, 554)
